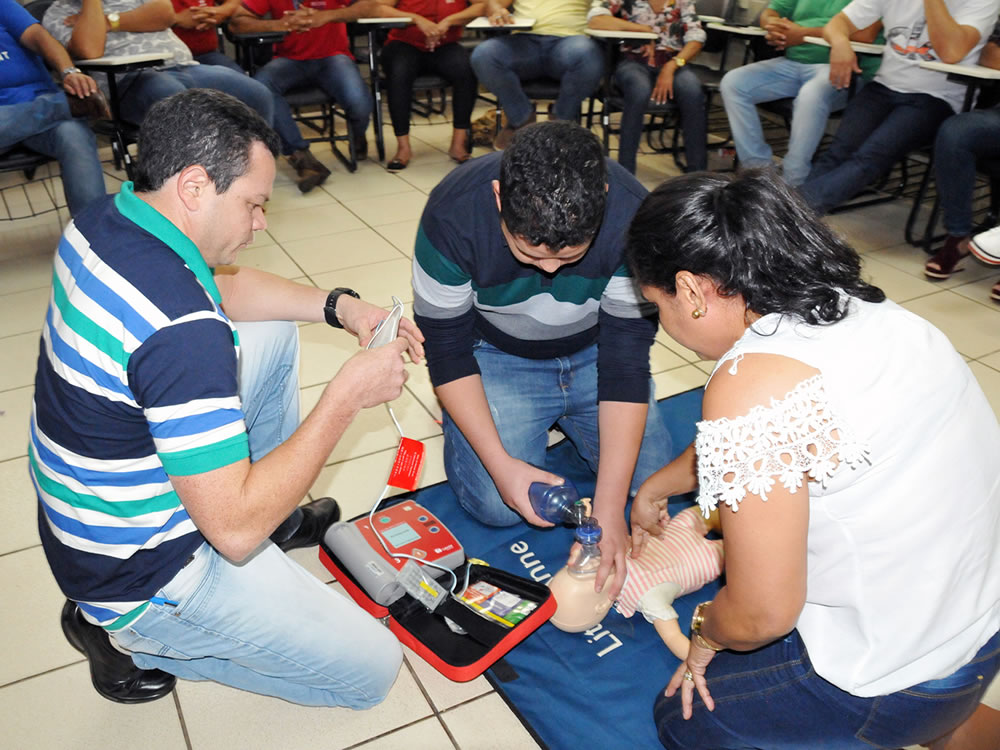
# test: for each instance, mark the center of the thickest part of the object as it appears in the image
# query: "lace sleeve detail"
(797, 435)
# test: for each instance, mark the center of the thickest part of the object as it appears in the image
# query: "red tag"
(406, 468)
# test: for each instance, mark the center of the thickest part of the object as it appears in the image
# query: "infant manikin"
(677, 562)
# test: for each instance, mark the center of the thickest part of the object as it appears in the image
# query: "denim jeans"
(45, 125)
(767, 81)
(636, 82)
(265, 625)
(962, 140)
(140, 90)
(337, 75)
(526, 397)
(878, 128)
(501, 63)
(772, 699)
(219, 58)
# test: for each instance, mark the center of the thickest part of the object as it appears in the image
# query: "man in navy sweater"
(531, 320)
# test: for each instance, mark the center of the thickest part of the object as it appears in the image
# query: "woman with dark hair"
(429, 45)
(852, 456)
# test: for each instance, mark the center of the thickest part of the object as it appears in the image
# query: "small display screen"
(400, 534)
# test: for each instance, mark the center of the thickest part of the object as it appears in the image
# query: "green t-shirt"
(817, 13)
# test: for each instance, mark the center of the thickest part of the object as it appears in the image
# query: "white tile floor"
(355, 231)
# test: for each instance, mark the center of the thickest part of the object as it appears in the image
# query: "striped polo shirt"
(680, 555)
(137, 380)
(468, 285)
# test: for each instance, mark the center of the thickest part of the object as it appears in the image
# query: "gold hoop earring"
(696, 313)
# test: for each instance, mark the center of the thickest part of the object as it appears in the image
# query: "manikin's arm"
(670, 633)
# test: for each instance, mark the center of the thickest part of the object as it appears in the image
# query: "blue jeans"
(140, 90)
(526, 397)
(219, 58)
(266, 625)
(501, 63)
(962, 140)
(636, 82)
(45, 125)
(339, 78)
(879, 127)
(767, 81)
(771, 698)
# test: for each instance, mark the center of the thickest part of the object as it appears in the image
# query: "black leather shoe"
(316, 518)
(114, 674)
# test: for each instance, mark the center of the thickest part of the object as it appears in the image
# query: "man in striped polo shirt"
(165, 445)
(532, 321)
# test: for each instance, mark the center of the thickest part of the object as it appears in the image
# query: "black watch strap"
(330, 309)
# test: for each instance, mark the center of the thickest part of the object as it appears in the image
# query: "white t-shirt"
(907, 42)
(903, 582)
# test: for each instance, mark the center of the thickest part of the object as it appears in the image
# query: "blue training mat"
(575, 690)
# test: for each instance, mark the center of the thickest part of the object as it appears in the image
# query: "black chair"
(15, 197)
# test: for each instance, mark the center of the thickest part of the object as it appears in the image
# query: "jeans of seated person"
(636, 82)
(501, 63)
(219, 58)
(45, 125)
(337, 76)
(266, 625)
(879, 127)
(773, 698)
(962, 140)
(767, 81)
(140, 90)
(526, 397)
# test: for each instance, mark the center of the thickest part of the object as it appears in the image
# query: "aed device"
(408, 528)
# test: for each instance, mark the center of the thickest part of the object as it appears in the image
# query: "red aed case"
(460, 657)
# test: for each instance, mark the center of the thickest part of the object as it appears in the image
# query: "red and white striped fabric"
(681, 555)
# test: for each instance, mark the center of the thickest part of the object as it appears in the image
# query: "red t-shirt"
(199, 42)
(324, 41)
(432, 10)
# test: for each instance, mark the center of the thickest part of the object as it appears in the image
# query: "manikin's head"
(578, 606)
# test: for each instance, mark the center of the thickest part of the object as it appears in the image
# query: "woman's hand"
(843, 64)
(697, 662)
(496, 14)
(431, 31)
(664, 90)
(648, 511)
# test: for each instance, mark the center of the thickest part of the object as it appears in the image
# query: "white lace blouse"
(900, 452)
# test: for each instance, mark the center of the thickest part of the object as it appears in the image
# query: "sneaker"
(986, 246)
(310, 170)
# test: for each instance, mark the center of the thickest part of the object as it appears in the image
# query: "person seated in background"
(196, 22)
(98, 28)
(556, 47)
(657, 72)
(430, 45)
(315, 52)
(962, 141)
(34, 111)
(802, 73)
(851, 455)
(900, 110)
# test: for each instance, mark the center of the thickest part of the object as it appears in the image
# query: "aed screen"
(400, 534)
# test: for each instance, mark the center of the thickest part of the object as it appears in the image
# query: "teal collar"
(135, 209)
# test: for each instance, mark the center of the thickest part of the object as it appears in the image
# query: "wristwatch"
(681, 62)
(330, 308)
(68, 72)
(114, 21)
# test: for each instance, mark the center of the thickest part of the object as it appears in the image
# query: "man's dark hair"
(754, 237)
(552, 185)
(199, 126)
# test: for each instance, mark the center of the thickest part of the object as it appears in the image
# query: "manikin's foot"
(945, 261)
(459, 149)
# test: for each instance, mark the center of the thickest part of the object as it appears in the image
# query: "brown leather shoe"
(310, 170)
(506, 134)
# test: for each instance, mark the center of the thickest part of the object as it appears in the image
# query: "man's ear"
(192, 184)
(496, 192)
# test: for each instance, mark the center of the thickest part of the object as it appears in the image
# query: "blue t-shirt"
(23, 74)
